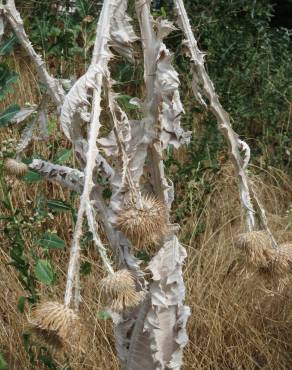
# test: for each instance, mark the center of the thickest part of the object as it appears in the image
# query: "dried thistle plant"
(279, 267)
(143, 221)
(257, 248)
(57, 324)
(119, 291)
(15, 168)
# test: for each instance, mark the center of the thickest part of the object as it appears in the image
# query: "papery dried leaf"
(26, 137)
(122, 32)
(43, 124)
(24, 113)
(77, 99)
(166, 318)
(68, 177)
(171, 109)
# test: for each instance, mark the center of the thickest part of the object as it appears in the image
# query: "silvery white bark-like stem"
(221, 115)
(69, 178)
(100, 56)
(55, 89)
(101, 249)
(88, 184)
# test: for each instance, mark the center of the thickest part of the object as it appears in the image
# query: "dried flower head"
(257, 248)
(119, 290)
(15, 168)
(281, 264)
(144, 221)
(57, 324)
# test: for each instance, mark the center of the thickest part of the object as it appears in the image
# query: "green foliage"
(44, 272)
(85, 268)
(51, 241)
(3, 364)
(59, 32)
(8, 114)
(7, 79)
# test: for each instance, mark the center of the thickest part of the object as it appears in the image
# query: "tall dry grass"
(237, 321)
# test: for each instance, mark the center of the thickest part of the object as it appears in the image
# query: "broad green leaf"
(63, 155)
(58, 206)
(103, 315)
(44, 272)
(51, 241)
(8, 114)
(3, 363)
(21, 303)
(31, 176)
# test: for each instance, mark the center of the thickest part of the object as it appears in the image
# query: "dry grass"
(238, 321)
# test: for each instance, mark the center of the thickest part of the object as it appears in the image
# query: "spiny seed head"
(257, 247)
(15, 168)
(281, 262)
(144, 221)
(119, 290)
(57, 324)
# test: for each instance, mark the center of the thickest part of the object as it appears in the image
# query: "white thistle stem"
(88, 184)
(100, 56)
(55, 89)
(101, 249)
(221, 115)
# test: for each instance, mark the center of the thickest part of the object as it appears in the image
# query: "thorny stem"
(221, 115)
(55, 90)
(88, 183)
(100, 56)
(101, 249)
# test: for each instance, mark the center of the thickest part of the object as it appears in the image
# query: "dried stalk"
(202, 81)
(55, 89)
(67, 177)
(205, 93)
(100, 51)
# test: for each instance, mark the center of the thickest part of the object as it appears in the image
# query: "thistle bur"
(257, 248)
(119, 291)
(15, 168)
(56, 323)
(144, 221)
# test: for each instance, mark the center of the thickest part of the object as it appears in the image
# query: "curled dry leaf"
(119, 291)
(144, 221)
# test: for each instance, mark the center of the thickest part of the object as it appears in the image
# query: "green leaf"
(142, 255)
(44, 272)
(51, 241)
(31, 176)
(63, 155)
(103, 315)
(7, 45)
(85, 268)
(3, 363)
(8, 114)
(21, 303)
(7, 79)
(124, 100)
(58, 205)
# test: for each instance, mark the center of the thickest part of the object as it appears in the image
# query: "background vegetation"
(234, 325)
